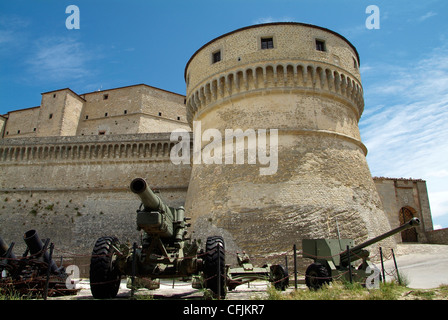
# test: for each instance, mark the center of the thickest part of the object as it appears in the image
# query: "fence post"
(295, 266)
(218, 277)
(47, 281)
(396, 267)
(134, 258)
(349, 265)
(382, 265)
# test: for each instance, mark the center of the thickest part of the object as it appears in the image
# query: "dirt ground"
(180, 290)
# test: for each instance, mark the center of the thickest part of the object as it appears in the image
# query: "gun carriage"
(165, 251)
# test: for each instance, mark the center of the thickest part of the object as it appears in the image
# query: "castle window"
(18, 131)
(355, 63)
(106, 114)
(102, 132)
(34, 129)
(320, 45)
(160, 114)
(216, 56)
(178, 118)
(87, 117)
(54, 95)
(105, 96)
(50, 116)
(125, 111)
(267, 43)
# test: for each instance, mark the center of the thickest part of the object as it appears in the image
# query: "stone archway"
(406, 214)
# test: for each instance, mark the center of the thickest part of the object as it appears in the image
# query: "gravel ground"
(423, 266)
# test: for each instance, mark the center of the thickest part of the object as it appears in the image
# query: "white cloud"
(427, 16)
(13, 22)
(438, 203)
(439, 173)
(59, 59)
(12, 35)
(6, 36)
(405, 125)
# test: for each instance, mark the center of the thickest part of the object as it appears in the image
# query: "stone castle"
(66, 165)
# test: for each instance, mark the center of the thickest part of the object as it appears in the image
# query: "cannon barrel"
(35, 245)
(410, 224)
(157, 217)
(6, 254)
(150, 201)
(357, 249)
(4, 250)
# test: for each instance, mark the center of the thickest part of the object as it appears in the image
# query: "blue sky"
(404, 63)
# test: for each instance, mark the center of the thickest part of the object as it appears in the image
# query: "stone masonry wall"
(313, 96)
(76, 189)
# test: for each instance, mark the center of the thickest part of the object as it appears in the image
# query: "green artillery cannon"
(164, 252)
(247, 272)
(335, 258)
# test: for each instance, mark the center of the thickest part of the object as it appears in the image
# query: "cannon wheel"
(214, 259)
(280, 277)
(104, 275)
(316, 275)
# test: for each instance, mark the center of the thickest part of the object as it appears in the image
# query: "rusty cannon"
(35, 272)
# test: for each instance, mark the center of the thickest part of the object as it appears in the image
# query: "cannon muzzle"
(150, 201)
(35, 245)
(157, 217)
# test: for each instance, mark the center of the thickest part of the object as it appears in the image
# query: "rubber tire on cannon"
(280, 277)
(104, 274)
(316, 275)
(215, 258)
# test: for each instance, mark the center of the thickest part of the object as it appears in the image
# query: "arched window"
(406, 214)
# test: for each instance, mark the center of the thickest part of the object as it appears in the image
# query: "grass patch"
(11, 294)
(347, 291)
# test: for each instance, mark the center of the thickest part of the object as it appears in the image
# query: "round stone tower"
(296, 90)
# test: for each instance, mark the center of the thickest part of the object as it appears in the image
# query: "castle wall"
(21, 123)
(126, 110)
(439, 236)
(59, 113)
(397, 194)
(75, 189)
(290, 42)
(133, 109)
(2, 125)
(306, 84)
